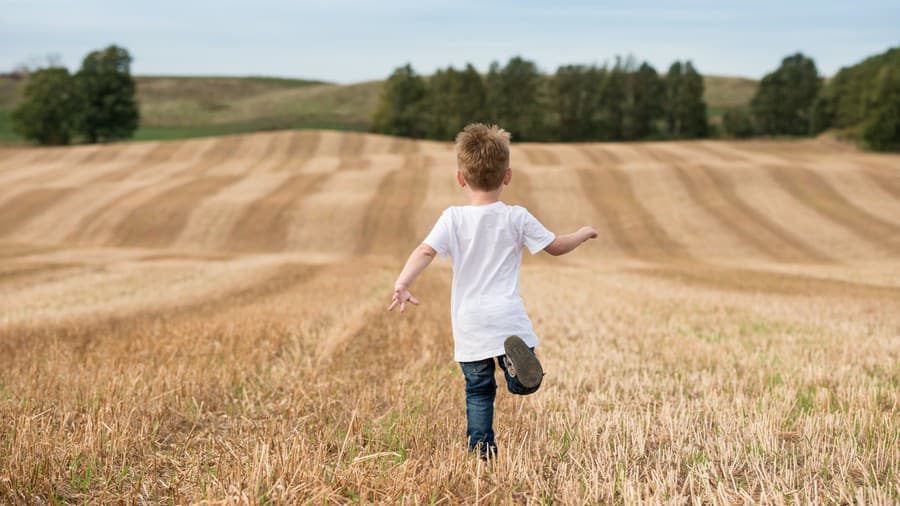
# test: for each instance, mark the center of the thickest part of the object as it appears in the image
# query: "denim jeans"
(481, 388)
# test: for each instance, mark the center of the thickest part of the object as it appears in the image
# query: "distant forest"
(630, 101)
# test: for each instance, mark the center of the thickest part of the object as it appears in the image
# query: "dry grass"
(731, 337)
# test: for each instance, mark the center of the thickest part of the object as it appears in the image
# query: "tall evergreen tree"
(401, 106)
(440, 103)
(455, 99)
(47, 108)
(685, 108)
(471, 98)
(673, 110)
(784, 100)
(576, 96)
(106, 90)
(645, 97)
(694, 123)
(612, 103)
(514, 98)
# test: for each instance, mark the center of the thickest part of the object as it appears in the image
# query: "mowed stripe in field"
(769, 282)
(717, 194)
(162, 153)
(814, 191)
(18, 211)
(265, 224)
(634, 229)
(387, 226)
(159, 221)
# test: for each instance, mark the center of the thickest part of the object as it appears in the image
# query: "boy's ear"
(508, 176)
(460, 179)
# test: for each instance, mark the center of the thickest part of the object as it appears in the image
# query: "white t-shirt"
(485, 243)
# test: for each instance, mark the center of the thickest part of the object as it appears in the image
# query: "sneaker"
(521, 362)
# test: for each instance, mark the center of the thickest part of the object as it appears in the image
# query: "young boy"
(485, 241)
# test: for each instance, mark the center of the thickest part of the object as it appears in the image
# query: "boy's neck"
(483, 198)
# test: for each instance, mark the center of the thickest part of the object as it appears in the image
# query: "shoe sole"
(528, 369)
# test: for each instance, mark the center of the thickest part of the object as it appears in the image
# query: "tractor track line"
(813, 191)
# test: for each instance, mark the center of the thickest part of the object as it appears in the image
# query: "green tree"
(685, 107)
(455, 99)
(440, 104)
(401, 108)
(784, 100)
(515, 99)
(48, 107)
(842, 101)
(673, 112)
(881, 129)
(612, 104)
(106, 92)
(737, 123)
(575, 93)
(645, 93)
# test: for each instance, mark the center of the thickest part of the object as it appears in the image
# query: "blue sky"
(349, 41)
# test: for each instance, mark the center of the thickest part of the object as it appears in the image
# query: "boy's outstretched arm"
(566, 243)
(420, 258)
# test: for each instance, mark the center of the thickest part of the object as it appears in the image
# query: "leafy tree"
(515, 98)
(612, 104)
(881, 130)
(401, 106)
(455, 99)
(440, 104)
(737, 123)
(106, 91)
(841, 102)
(821, 115)
(576, 95)
(685, 107)
(783, 102)
(48, 107)
(645, 92)
(673, 112)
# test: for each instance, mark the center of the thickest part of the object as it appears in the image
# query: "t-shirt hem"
(485, 354)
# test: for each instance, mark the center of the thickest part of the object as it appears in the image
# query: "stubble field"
(205, 320)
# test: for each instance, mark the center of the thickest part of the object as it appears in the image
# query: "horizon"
(319, 41)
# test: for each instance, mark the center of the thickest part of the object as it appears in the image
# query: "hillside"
(184, 107)
(204, 321)
(305, 191)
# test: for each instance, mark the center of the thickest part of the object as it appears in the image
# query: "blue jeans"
(481, 388)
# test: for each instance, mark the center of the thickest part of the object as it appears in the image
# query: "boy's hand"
(587, 233)
(402, 296)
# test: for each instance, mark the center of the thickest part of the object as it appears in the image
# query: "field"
(175, 107)
(204, 320)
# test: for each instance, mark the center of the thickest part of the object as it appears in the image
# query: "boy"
(485, 241)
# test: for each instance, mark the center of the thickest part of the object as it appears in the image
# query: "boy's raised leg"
(522, 368)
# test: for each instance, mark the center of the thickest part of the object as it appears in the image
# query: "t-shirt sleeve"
(536, 236)
(439, 237)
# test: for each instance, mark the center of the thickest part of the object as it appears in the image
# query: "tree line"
(622, 101)
(96, 104)
(861, 102)
(630, 101)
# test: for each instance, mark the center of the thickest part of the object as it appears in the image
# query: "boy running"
(485, 241)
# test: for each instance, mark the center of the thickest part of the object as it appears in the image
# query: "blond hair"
(483, 155)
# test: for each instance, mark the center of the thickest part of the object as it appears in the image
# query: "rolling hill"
(204, 320)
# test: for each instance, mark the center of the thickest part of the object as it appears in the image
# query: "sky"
(348, 41)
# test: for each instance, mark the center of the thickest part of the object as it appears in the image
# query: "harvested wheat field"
(205, 321)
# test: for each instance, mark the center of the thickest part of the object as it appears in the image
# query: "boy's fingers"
(413, 300)
(402, 307)
(394, 303)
